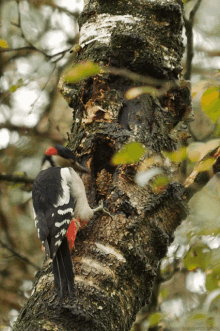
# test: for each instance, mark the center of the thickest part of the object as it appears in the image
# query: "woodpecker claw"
(101, 208)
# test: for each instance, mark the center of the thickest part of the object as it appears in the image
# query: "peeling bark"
(116, 260)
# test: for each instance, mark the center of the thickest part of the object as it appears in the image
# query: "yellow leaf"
(82, 70)
(134, 92)
(160, 183)
(3, 43)
(212, 279)
(178, 155)
(155, 318)
(130, 153)
(210, 103)
(198, 316)
(164, 293)
(205, 165)
(19, 84)
(198, 257)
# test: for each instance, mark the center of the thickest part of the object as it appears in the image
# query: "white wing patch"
(61, 233)
(65, 198)
(35, 218)
(58, 242)
(62, 212)
(58, 225)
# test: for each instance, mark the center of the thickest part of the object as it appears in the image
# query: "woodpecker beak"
(78, 167)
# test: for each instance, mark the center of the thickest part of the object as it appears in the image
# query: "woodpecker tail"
(63, 269)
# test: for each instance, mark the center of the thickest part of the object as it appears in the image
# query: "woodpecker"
(58, 197)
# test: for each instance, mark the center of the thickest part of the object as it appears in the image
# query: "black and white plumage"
(58, 196)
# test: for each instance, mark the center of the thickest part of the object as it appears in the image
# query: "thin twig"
(61, 53)
(19, 255)
(45, 85)
(19, 25)
(3, 50)
(189, 35)
(138, 78)
(5, 227)
(16, 179)
(31, 46)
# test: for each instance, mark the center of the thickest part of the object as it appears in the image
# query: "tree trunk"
(116, 259)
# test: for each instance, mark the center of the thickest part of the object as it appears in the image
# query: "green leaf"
(13, 88)
(198, 316)
(160, 183)
(155, 318)
(213, 279)
(164, 293)
(210, 323)
(82, 70)
(3, 43)
(210, 103)
(205, 165)
(216, 133)
(178, 155)
(198, 257)
(130, 153)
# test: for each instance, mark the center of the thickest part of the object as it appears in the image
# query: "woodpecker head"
(61, 156)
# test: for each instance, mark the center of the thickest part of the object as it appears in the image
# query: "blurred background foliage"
(36, 38)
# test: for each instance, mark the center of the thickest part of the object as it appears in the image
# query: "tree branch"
(137, 77)
(4, 50)
(43, 88)
(19, 255)
(31, 46)
(189, 35)
(16, 179)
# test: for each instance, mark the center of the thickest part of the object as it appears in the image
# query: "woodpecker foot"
(101, 208)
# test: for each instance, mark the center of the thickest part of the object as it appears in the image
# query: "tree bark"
(116, 259)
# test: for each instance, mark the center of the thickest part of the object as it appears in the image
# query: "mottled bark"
(116, 259)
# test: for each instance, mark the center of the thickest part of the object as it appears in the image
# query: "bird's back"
(54, 207)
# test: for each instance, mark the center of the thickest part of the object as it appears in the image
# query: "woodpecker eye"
(51, 151)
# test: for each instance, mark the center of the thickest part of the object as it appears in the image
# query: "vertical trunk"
(116, 260)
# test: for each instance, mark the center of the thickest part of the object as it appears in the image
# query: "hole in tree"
(103, 152)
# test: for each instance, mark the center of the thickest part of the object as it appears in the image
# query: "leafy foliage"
(14, 88)
(3, 43)
(198, 257)
(160, 183)
(210, 103)
(130, 153)
(82, 70)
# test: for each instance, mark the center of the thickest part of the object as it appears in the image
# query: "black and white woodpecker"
(59, 197)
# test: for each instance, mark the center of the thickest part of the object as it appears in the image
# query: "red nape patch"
(51, 151)
(71, 234)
